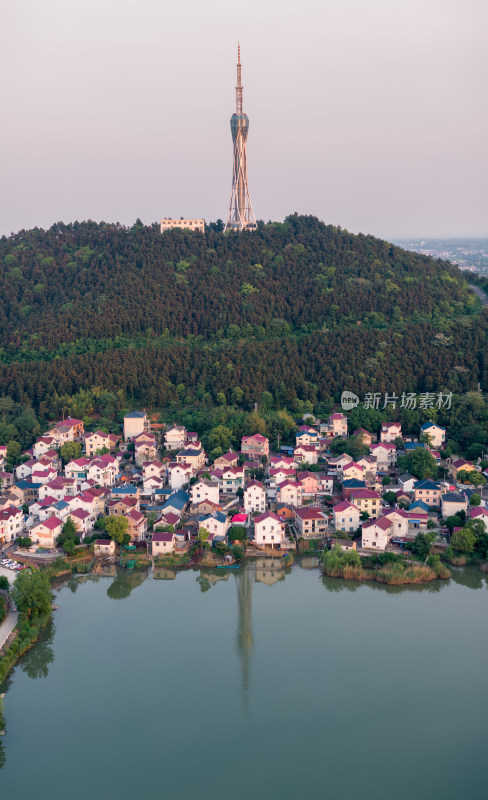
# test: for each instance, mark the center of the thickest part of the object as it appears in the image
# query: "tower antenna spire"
(239, 82)
(241, 216)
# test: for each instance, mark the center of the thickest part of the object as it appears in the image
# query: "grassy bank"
(388, 568)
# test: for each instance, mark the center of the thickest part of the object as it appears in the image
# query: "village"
(301, 498)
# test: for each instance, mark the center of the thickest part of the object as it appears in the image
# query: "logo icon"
(349, 400)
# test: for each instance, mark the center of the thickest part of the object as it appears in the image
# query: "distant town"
(468, 254)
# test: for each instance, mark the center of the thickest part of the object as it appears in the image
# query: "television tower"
(241, 216)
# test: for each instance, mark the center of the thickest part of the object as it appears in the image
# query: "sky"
(370, 115)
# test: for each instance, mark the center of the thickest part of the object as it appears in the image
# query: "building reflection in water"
(261, 570)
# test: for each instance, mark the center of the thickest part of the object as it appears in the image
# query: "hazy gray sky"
(371, 115)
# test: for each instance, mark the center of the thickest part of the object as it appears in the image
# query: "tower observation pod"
(241, 216)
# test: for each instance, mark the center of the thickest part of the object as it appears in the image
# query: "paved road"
(9, 573)
(481, 294)
(7, 626)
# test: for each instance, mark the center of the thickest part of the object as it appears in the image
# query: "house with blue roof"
(409, 446)
(435, 432)
(216, 523)
(124, 491)
(428, 491)
(135, 423)
(418, 505)
(176, 503)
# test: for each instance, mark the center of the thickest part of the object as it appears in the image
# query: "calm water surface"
(252, 684)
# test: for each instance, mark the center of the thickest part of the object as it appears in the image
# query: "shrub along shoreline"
(388, 568)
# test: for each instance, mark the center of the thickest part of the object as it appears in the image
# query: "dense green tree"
(32, 593)
(117, 528)
(419, 463)
(69, 451)
(463, 540)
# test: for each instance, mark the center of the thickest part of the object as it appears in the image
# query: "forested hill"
(297, 307)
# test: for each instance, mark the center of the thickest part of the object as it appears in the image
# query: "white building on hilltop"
(188, 224)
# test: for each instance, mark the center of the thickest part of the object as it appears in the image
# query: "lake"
(259, 683)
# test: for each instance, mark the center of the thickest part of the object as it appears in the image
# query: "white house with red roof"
(385, 454)
(290, 492)
(367, 500)
(11, 523)
(77, 468)
(229, 459)
(58, 488)
(144, 450)
(179, 475)
(254, 497)
(162, 543)
(400, 520)
(269, 530)
(205, 489)
(346, 517)
(151, 469)
(281, 474)
(337, 425)
(98, 440)
(337, 463)
(255, 447)
(232, 479)
(310, 523)
(42, 445)
(479, 513)
(46, 532)
(306, 454)
(390, 431)
(137, 525)
(67, 430)
(83, 520)
(43, 474)
(175, 437)
(23, 471)
(353, 470)
(377, 533)
(103, 470)
(275, 462)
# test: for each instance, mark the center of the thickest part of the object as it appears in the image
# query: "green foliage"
(4, 583)
(238, 552)
(68, 538)
(32, 593)
(422, 545)
(463, 540)
(475, 500)
(419, 463)
(335, 560)
(288, 326)
(3, 614)
(24, 541)
(203, 535)
(390, 498)
(455, 521)
(237, 533)
(69, 451)
(117, 528)
(352, 446)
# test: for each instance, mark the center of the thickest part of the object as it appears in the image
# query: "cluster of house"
(303, 491)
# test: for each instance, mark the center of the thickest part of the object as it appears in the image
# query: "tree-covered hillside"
(297, 308)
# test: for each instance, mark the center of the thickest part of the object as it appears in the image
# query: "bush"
(238, 552)
(237, 533)
(24, 541)
(3, 608)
